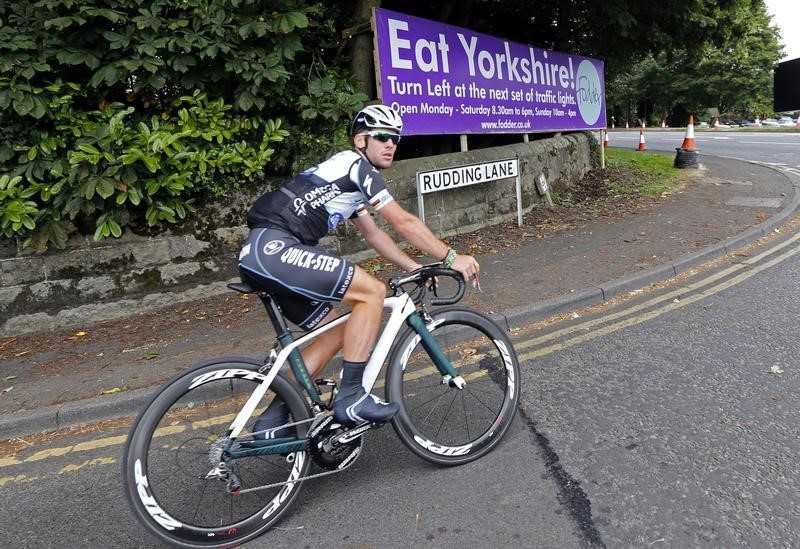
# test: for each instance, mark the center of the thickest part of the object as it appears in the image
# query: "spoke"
(466, 417)
(204, 487)
(447, 413)
(475, 396)
(419, 405)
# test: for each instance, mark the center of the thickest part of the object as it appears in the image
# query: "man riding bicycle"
(281, 256)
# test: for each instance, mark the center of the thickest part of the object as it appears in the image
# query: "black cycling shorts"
(303, 279)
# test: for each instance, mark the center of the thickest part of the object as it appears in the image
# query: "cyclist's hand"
(467, 266)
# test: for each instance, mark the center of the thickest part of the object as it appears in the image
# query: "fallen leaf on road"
(114, 390)
(77, 335)
(776, 370)
(8, 389)
(9, 378)
(151, 354)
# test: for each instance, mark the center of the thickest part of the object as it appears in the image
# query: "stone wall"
(91, 281)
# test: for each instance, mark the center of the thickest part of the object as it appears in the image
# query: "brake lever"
(476, 283)
(434, 287)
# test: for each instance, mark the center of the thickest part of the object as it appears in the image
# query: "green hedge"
(122, 112)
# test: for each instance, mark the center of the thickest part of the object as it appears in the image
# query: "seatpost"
(285, 337)
(275, 315)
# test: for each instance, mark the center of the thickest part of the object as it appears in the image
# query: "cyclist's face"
(379, 152)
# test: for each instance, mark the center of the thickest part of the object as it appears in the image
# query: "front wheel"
(177, 442)
(442, 423)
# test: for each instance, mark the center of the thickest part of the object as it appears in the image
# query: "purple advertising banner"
(449, 80)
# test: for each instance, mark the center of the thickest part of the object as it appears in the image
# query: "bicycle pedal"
(329, 383)
(325, 382)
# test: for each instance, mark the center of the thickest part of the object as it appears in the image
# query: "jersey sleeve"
(372, 187)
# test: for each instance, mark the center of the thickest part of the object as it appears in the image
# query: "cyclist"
(281, 255)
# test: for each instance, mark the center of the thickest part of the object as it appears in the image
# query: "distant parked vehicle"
(769, 122)
(749, 124)
(702, 124)
(786, 121)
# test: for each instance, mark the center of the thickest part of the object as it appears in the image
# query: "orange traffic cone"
(642, 142)
(798, 121)
(605, 138)
(688, 141)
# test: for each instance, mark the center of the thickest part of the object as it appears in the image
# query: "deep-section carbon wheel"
(439, 422)
(177, 442)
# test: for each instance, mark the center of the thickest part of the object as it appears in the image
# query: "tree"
(731, 72)
(119, 112)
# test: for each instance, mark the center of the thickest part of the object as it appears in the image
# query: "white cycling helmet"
(376, 116)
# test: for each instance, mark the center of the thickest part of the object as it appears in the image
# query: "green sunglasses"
(383, 137)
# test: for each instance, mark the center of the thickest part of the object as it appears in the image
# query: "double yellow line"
(528, 349)
(600, 326)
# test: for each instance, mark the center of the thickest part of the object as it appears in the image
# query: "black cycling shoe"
(357, 406)
(276, 414)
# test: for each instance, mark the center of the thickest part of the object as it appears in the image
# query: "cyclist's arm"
(413, 230)
(383, 243)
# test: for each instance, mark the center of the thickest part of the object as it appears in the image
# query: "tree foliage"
(122, 112)
(119, 113)
(663, 59)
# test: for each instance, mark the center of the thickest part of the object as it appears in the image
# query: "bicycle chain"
(301, 479)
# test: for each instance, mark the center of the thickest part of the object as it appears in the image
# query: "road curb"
(129, 403)
(91, 410)
(539, 311)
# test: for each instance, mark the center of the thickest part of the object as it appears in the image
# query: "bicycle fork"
(449, 374)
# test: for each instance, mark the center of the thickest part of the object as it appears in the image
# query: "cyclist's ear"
(360, 141)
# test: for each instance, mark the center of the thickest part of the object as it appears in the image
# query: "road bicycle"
(196, 475)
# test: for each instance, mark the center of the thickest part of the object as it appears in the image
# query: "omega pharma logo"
(590, 98)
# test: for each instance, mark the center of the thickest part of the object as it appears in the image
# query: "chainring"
(332, 456)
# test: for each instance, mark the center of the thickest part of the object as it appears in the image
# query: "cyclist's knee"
(365, 288)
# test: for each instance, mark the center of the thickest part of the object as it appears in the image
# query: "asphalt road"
(668, 420)
(772, 147)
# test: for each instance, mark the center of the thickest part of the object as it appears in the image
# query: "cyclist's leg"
(302, 279)
(365, 294)
(316, 355)
(353, 404)
(324, 347)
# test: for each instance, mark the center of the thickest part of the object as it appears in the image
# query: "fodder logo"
(590, 92)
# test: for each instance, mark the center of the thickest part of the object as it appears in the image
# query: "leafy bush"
(105, 166)
(122, 113)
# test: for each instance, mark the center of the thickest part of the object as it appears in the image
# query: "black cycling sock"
(352, 376)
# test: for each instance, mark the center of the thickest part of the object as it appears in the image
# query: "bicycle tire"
(443, 424)
(166, 458)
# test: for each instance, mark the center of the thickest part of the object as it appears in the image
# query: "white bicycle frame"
(401, 306)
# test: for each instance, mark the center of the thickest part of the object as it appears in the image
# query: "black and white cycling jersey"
(311, 204)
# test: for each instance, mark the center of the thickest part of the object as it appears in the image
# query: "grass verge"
(641, 173)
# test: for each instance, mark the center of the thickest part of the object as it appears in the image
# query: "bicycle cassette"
(326, 451)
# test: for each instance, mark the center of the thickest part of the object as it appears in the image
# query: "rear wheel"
(441, 423)
(178, 440)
